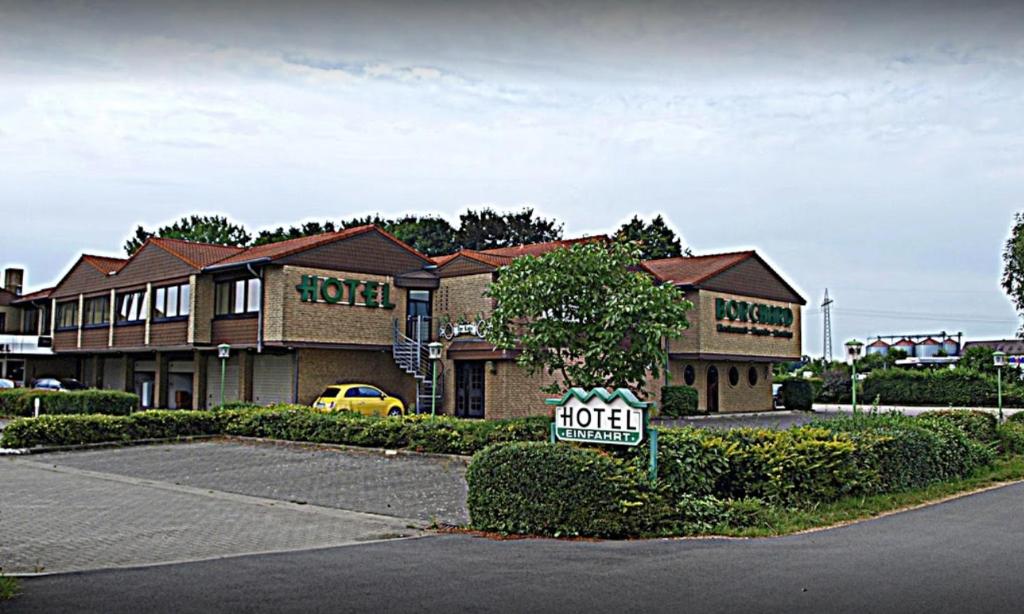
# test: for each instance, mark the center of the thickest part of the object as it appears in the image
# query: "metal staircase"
(412, 356)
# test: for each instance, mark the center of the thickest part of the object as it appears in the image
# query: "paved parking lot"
(156, 504)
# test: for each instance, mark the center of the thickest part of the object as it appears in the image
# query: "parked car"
(777, 396)
(61, 385)
(6, 383)
(360, 398)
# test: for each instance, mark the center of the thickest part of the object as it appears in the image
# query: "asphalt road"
(962, 556)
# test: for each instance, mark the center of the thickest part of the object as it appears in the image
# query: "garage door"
(272, 378)
(213, 381)
(113, 373)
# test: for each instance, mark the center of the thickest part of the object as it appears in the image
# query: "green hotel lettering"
(754, 313)
(345, 291)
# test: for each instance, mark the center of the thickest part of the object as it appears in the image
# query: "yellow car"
(360, 398)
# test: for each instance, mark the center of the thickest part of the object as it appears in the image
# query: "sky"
(876, 150)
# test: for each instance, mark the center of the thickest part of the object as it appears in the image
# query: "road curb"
(346, 448)
(104, 444)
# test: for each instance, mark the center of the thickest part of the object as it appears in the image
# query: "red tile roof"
(691, 270)
(273, 251)
(32, 296)
(500, 256)
(196, 255)
(105, 264)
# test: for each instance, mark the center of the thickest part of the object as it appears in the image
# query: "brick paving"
(59, 520)
(119, 507)
(406, 486)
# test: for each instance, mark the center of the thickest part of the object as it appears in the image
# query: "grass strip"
(783, 521)
(8, 587)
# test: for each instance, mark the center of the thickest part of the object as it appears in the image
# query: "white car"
(6, 383)
(60, 385)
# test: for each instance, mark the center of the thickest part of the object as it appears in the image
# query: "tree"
(200, 228)
(294, 232)
(655, 240)
(1013, 265)
(488, 229)
(977, 358)
(583, 315)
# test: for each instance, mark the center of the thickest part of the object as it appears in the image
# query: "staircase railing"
(413, 357)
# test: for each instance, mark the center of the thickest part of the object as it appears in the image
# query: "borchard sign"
(753, 313)
(599, 417)
(355, 292)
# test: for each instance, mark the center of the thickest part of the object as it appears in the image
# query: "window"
(131, 306)
(67, 315)
(171, 302)
(752, 376)
(3, 322)
(734, 376)
(688, 375)
(97, 311)
(238, 297)
(30, 321)
(45, 330)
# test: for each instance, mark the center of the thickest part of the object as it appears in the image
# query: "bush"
(901, 452)
(1011, 437)
(952, 387)
(1017, 417)
(21, 402)
(836, 387)
(557, 489)
(978, 425)
(678, 401)
(56, 430)
(797, 395)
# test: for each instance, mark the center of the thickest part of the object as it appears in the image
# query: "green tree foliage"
(978, 359)
(202, 228)
(654, 239)
(1013, 265)
(488, 229)
(581, 314)
(294, 232)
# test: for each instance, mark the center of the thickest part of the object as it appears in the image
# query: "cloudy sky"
(878, 152)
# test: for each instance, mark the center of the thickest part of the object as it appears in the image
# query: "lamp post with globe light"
(853, 348)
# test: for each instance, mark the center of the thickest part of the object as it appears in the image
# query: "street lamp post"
(853, 348)
(999, 360)
(434, 352)
(223, 352)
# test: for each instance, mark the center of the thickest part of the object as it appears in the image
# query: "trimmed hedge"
(678, 401)
(953, 387)
(707, 478)
(979, 425)
(57, 430)
(294, 422)
(1017, 417)
(1011, 437)
(797, 395)
(554, 489)
(21, 402)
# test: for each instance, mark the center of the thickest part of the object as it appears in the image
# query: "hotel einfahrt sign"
(599, 416)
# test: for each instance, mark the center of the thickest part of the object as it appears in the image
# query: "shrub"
(799, 464)
(557, 489)
(953, 387)
(57, 430)
(1011, 437)
(979, 425)
(901, 452)
(21, 402)
(797, 395)
(836, 387)
(1017, 417)
(678, 401)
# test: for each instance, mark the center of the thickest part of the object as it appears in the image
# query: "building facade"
(361, 306)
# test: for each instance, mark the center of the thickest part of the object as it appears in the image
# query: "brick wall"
(201, 309)
(510, 392)
(323, 322)
(462, 297)
(321, 368)
(742, 397)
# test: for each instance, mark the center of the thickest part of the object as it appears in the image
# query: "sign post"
(602, 417)
(223, 352)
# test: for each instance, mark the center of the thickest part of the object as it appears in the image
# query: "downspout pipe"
(259, 315)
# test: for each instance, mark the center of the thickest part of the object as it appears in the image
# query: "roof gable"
(743, 273)
(83, 276)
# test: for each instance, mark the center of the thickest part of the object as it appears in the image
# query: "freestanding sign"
(603, 417)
